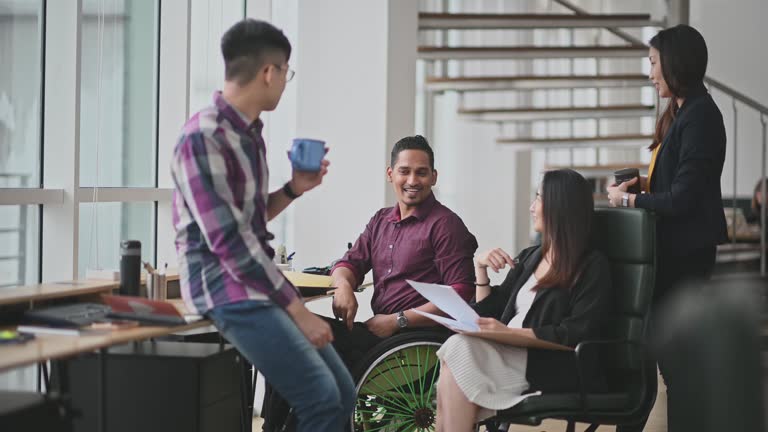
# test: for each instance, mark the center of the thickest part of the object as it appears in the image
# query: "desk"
(55, 290)
(52, 347)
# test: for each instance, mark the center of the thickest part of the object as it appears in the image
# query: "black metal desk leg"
(101, 390)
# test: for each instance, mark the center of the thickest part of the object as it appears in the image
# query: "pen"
(290, 257)
(148, 267)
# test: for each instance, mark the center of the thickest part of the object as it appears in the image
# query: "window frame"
(59, 194)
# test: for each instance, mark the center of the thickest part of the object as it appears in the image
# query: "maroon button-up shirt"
(432, 245)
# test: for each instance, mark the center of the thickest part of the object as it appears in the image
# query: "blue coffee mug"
(307, 154)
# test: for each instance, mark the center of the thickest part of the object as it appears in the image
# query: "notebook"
(143, 310)
(67, 316)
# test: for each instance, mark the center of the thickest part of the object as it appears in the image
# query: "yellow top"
(651, 167)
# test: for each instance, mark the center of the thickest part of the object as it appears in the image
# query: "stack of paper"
(464, 318)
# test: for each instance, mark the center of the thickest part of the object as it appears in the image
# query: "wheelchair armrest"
(362, 287)
(585, 346)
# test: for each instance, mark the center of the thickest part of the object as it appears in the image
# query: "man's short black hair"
(250, 44)
(417, 142)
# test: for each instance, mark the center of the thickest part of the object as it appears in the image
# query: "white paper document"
(450, 322)
(464, 318)
(448, 301)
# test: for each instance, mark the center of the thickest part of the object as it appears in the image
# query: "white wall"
(355, 85)
(736, 33)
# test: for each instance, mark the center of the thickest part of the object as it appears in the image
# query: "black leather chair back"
(628, 239)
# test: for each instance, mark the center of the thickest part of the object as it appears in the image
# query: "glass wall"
(20, 112)
(20, 84)
(104, 226)
(210, 19)
(118, 93)
(19, 245)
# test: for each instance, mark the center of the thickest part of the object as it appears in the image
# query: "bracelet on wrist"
(289, 192)
(483, 284)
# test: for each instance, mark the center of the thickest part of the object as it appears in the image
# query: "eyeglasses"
(289, 73)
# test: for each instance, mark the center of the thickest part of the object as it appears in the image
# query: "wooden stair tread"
(606, 167)
(606, 138)
(555, 109)
(490, 21)
(433, 79)
(552, 16)
(543, 49)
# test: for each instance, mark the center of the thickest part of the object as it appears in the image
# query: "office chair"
(627, 237)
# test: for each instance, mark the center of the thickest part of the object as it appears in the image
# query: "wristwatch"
(625, 200)
(402, 320)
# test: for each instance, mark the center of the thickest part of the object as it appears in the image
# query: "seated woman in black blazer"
(558, 292)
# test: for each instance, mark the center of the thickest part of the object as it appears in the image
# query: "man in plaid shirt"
(220, 211)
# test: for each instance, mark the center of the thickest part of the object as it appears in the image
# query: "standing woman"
(683, 183)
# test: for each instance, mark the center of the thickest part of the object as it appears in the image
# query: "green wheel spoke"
(432, 384)
(422, 376)
(392, 413)
(395, 404)
(394, 389)
(398, 391)
(405, 397)
(419, 377)
(391, 426)
(400, 404)
(409, 379)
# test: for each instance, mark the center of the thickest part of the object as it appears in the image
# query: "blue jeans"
(314, 381)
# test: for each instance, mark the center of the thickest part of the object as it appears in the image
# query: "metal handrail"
(746, 100)
(735, 95)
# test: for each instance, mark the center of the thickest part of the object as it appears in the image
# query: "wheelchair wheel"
(396, 384)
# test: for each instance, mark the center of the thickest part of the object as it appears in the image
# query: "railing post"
(735, 163)
(763, 204)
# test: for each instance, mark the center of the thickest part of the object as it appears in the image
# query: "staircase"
(450, 50)
(560, 79)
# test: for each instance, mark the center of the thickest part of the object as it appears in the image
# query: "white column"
(61, 138)
(356, 90)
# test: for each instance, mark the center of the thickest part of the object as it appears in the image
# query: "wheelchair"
(396, 383)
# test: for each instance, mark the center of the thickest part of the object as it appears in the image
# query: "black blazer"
(559, 315)
(685, 185)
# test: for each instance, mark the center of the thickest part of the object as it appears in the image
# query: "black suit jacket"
(685, 185)
(558, 314)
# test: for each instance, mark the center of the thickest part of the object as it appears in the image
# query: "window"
(20, 109)
(210, 19)
(19, 245)
(20, 85)
(118, 93)
(104, 226)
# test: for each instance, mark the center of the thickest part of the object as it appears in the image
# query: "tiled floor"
(656, 423)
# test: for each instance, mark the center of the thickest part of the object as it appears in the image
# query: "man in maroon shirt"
(418, 239)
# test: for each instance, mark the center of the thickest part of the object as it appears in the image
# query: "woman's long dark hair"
(567, 207)
(756, 207)
(683, 57)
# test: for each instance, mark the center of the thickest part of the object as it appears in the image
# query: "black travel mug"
(627, 174)
(130, 267)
